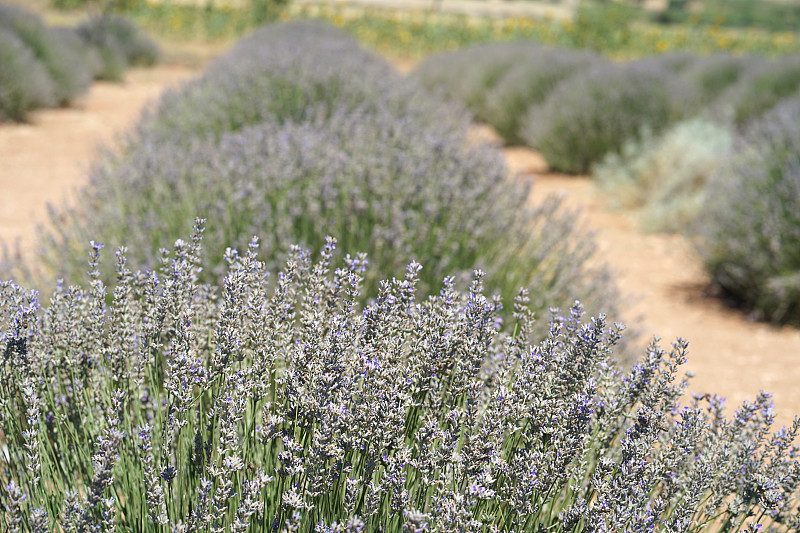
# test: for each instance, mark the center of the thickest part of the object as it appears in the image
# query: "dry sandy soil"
(43, 161)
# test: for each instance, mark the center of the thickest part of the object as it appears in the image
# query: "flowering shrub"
(469, 74)
(498, 82)
(277, 403)
(712, 75)
(24, 82)
(119, 43)
(46, 66)
(750, 230)
(391, 176)
(665, 176)
(528, 83)
(65, 64)
(594, 112)
(673, 62)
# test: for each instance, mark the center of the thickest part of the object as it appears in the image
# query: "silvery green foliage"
(594, 112)
(674, 62)
(376, 160)
(64, 61)
(24, 82)
(528, 83)
(750, 229)
(88, 53)
(47, 66)
(665, 176)
(277, 402)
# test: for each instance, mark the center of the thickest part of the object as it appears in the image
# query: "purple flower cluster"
(314, 413)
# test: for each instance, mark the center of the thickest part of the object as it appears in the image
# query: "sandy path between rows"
(43, 161)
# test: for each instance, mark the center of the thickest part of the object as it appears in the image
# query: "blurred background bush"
(47, 66)
(749, 229)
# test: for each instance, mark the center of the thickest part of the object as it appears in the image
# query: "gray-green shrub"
(749, 236)
(594, 112)
(120, 44)
(469, 74)
(45, 66)
(24, 82)
(765, 84)
(277, 403)
(713, 75)
(673, 62)
(384, 184)
(64, 62)
(528, 83)
(90, 55)
(280, 72)
(665, 176)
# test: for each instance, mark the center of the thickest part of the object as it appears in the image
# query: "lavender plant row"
(323, 135)
(498, 82)
(277, 403)
(575, 108)
(592, 114)
(279, 74)
(46, 66)
(119, 45)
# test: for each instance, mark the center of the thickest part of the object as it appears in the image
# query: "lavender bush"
(594, 112)
(468, 75)
(47, 66)
(528, 83)
(384, 184)
(65, 65)
(280, 72)
(713, 75)
(672, 62)
(762, 88)
(750, 230)
(277, 403)
(24, 82)
(120, 45)
(392, 175)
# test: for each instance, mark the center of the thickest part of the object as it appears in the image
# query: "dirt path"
(43, 161)
(730, 355)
